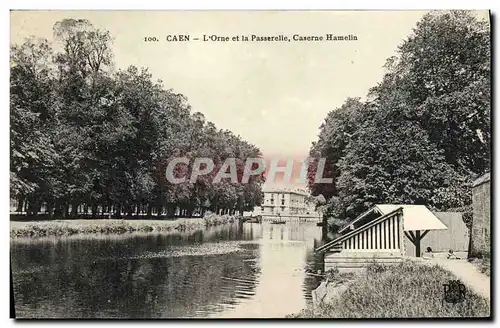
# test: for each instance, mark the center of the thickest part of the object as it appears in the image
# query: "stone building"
(481, 221)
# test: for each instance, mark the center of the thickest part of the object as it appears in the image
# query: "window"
(282, 208)
(262, 209)
(282, 202)
(272, 201)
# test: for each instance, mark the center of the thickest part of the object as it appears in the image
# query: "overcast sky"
(275, 95)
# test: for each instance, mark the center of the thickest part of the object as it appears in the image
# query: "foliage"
(467, 217)
(423, 133)
(332, 274)
(375, 267)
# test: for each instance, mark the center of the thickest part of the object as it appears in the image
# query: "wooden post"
(401, 235)
(417, 243)
(415, 238)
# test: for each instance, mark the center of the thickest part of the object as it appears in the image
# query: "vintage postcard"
(250, 164)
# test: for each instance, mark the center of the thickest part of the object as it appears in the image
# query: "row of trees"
(423, 133)
(87, 137)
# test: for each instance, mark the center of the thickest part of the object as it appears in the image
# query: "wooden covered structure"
(379, 234)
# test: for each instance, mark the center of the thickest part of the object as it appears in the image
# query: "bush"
(376, 267)
(332, 274)
(71, 227)
(404, 290)
(483, 264)
(212, 219)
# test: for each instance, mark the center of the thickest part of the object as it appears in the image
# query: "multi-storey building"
(286, 202)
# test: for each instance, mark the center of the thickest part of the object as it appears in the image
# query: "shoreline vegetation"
(405, 290)
(27, 229)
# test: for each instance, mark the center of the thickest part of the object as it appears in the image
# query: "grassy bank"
(405, 290)
(72, 227)
(483, 264)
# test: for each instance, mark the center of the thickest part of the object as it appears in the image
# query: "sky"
(274, 95)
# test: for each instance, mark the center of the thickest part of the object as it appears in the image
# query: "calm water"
(239, 270)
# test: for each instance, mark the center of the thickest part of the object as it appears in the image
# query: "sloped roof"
(335, 242)
(359, 218)
(415, 217)
(284, 191)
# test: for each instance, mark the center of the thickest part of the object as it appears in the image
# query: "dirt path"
(468, 274)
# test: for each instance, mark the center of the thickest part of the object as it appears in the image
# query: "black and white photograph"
(250, 164)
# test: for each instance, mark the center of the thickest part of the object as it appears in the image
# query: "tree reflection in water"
(218, 271)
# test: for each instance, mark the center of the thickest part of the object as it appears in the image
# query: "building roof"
(359, 218)
(415, 217)
(482, 179)
(285, 191)
(335, 242)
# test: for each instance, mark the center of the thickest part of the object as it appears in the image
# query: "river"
(242, 270)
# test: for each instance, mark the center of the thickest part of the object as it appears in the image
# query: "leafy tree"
(31, 117)
(424, 131)
(88, 138)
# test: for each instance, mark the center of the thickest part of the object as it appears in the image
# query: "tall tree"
(424, 131)
(86, 137)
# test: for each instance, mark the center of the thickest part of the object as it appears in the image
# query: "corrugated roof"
(415, 217)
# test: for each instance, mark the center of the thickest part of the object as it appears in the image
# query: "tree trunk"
(50, 210)
(324, 228)
(20, 203)
(170, 210)
(66, 210)
(58, 209)
(130, 211)
(94, 211)
(118, 211)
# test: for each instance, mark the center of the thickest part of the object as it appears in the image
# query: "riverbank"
(20, 229)
(405, 290)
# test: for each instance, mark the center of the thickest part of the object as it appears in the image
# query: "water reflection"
(239, 270)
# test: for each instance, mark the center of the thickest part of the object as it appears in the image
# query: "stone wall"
(481, 224)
